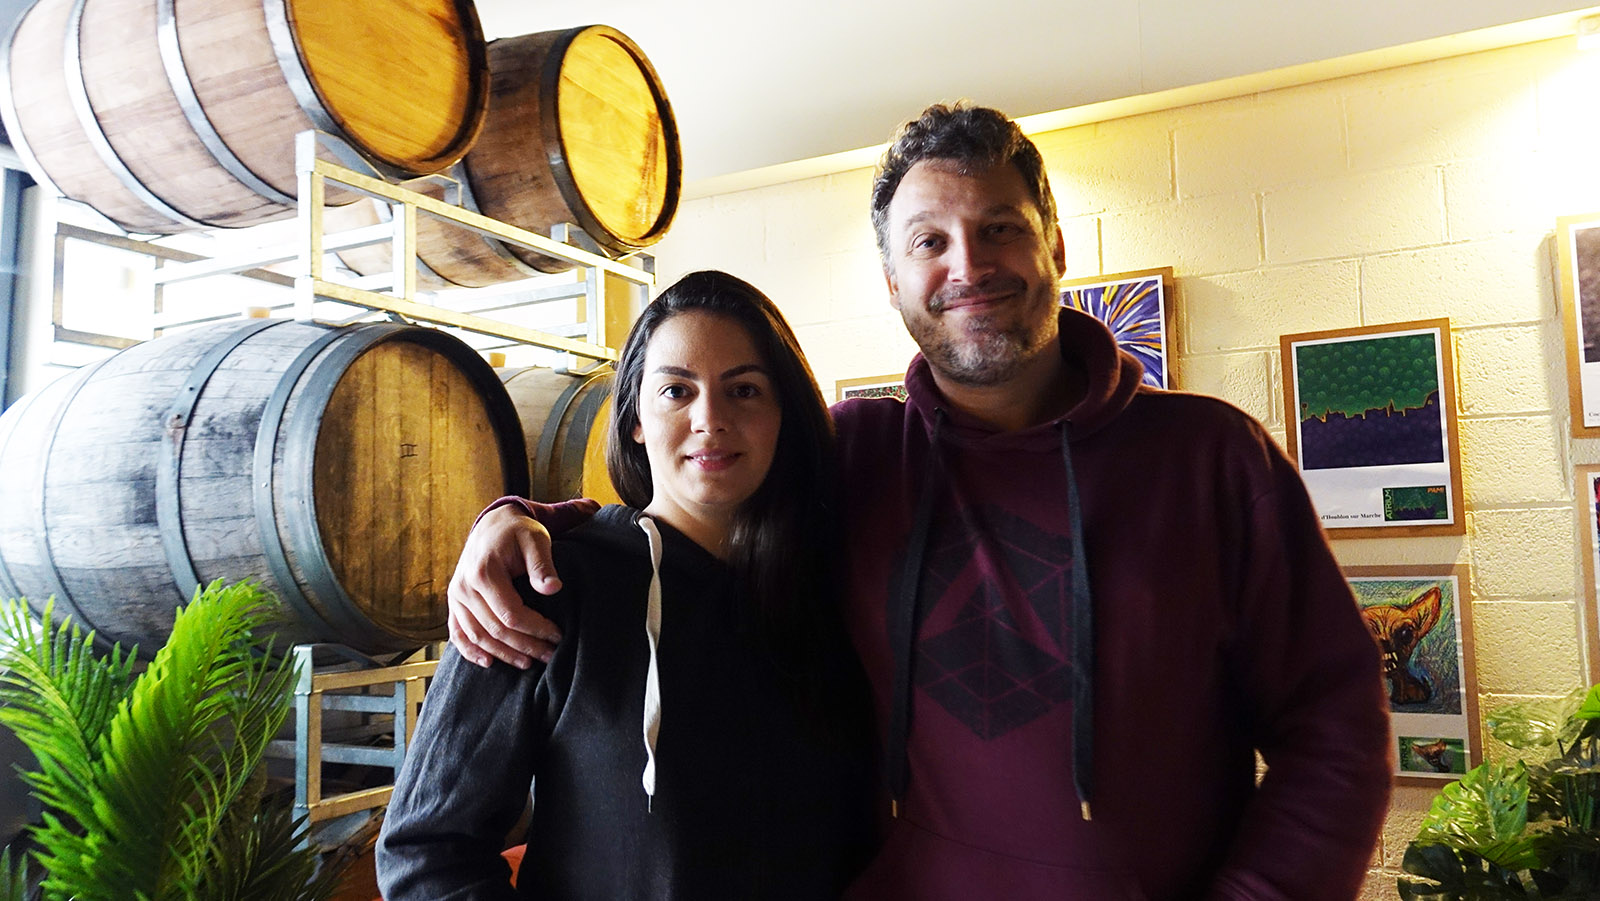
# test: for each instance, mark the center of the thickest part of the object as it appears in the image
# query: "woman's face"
(708, 418)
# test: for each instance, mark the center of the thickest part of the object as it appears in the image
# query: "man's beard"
(986, 350)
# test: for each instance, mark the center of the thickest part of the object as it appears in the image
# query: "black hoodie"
(747, 803)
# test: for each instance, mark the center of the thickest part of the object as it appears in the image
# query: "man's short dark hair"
(975, 138)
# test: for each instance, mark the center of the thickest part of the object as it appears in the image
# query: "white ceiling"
(756, 83)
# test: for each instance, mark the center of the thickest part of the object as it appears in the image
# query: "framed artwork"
(1421, 619)
(1578, 247)
(1371, 416)
(1134, 305)
(872, 386)
(1589, 528)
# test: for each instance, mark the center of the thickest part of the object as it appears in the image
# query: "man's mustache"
(944, 297)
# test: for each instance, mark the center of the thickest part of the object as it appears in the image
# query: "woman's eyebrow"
(741, 370)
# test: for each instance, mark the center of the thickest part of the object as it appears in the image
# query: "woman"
(701, 730)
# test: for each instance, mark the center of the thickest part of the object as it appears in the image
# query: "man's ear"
(1060, 252)
(893, 284)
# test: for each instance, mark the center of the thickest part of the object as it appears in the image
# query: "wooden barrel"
(339, 467)
(579, 130)
(565, 418)
(171, 115)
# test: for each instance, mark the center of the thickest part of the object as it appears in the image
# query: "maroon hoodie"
(1189, 594)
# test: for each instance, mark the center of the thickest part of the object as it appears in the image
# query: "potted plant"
(1518, 830)
(152, 782)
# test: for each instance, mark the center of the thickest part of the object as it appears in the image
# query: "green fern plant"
(152, 783)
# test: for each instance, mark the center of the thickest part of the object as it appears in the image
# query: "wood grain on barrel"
(611, 132)
(403, 453)
(51, 129)
(536, 392)
(398, 76)
(617, 139)
(405, 460)
(144, 123)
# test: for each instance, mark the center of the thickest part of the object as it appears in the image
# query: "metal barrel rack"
(389, 696)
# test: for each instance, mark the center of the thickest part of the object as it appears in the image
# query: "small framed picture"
(1372, 426)
(1589, 528)
(1421, 619)
(1578, 247)
(872, 386)
(1136, 307)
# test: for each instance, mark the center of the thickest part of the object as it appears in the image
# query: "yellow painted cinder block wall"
(1415, 192)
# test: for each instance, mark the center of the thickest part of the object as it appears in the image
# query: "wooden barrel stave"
(188, 110)
(565, 419)
(40, 119)
(610, 164)
(105, 535)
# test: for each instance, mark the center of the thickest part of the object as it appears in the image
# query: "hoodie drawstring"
(1082, 617)
(652, 679)
(906, 620)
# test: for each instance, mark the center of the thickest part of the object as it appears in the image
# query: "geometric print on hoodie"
(989, 670)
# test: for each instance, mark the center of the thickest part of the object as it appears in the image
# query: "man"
(1083, 604)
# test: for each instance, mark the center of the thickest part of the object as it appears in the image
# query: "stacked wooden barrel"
(579, 130)
(172, 115)
(340, 467)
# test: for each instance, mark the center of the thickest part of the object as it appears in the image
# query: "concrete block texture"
(1519, 192)
(1496, 281)
(1109, 165)
(1238, 310)
(1080, 239)
(1237, 378)
(1513, 460)
(1407, 807)
(1353, 215)
(1279, 139)
(1203, 235)
(1524, 554)
(1436, 550)
(1511, 369)
(1490, 110)
(816, 216)
(1527, 648)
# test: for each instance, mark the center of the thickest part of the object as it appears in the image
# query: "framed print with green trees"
(1371, 416)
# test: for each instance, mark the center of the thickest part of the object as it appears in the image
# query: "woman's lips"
(713, 461)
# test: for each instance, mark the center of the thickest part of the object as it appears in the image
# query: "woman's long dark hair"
(783, 542)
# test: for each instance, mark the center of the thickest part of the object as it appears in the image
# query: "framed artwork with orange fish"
(1589, 528)
(1421, 619)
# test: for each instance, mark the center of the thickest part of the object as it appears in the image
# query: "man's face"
(972, 270)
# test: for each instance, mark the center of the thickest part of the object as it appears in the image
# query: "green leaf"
(1532, 725)
(13, 876)
(146, 781)
(1485, 813)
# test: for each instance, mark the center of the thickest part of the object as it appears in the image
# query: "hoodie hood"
(1112, 378)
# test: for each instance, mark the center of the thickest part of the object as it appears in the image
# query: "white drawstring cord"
(652, 679)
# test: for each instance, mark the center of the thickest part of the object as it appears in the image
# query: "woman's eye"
(745, 391)
(675, 392)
